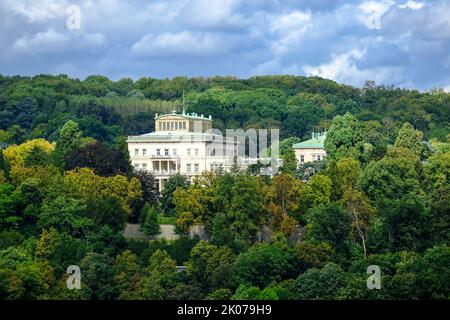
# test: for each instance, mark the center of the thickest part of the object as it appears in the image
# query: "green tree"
(289, 162)
(8, 202)
(317, 191)
(98, 276)
(221, 234)
(4, 166)
(407, 222)
(311, 255)
(329, 223)
(65, 214)
(47, 244)
(106, 240)
(176, 181)
(103, 160)
(344, 174)
(433, 273)
(150, 193)
(344, 138)
(437, 187)
(36, 157)
(362, 213)
(158, 277)
(210, 266)
(122, 146)
(261, 265)
(69, 138)
(320, 284)
(246, 209)
(246, 292)
(408, 138)
(106, 210)
(127, 273)
(10, 239)
(150, 226)
(20, 277)
(391, 177)
(284, 194)
(220, 294)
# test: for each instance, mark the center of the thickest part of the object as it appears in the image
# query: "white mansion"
(181, 143)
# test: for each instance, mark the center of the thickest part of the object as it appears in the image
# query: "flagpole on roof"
(183, 103)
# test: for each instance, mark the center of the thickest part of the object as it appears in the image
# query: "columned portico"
(165, 167)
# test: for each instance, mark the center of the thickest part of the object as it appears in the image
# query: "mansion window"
(216, 166)
(158, 152)
(188, 168)
(144, 152)
(174, 151)
(196, 168)
(318, 157)
(136, 152)
(302, 158)
(196, 152)
(144, 167)
(166, 152)
(189, 152)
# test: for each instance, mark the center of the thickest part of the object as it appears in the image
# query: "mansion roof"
(317, 142)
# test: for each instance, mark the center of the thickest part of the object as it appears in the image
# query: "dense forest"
(381, 196)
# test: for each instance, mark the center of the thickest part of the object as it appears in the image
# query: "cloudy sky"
(400, 42)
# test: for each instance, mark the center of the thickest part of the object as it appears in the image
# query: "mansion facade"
(181, 143)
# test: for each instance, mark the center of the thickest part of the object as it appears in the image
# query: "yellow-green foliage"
(16, 154)
(44, 174)
(85, 183)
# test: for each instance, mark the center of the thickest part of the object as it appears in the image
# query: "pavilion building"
(312, 149)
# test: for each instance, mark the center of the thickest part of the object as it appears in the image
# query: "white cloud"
(184, 43)
(411, 4)
(212, 14)
(49, 40)
(54, 41)
(38, 11)
(290, 29)
(287, 22)
(339, 66)
(96, 39)
(343, 68)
